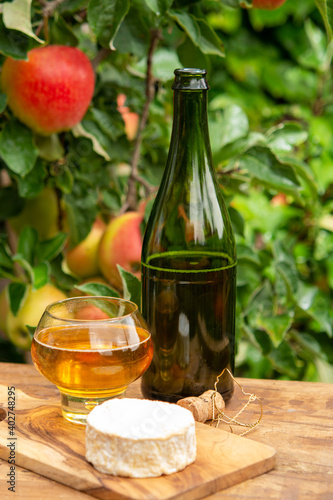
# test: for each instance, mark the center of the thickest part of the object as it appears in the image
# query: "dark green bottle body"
(189, 261)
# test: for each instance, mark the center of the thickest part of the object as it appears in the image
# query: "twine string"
(221, 415)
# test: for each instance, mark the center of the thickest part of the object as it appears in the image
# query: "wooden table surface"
(297, 421)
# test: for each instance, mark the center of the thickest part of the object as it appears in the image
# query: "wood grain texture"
(297, 422)
(52, 447)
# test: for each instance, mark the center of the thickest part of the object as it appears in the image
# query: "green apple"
(41, 212)
(82, 260)
(30, 314)
(121, 244)
(4, 306)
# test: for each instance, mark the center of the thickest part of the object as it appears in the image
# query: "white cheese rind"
(140, 438)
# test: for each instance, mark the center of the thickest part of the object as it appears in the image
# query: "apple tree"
(65, 192)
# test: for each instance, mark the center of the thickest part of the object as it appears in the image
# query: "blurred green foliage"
(271, 126)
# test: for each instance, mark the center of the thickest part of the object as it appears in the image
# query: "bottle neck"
(190, 145)
(190, 124)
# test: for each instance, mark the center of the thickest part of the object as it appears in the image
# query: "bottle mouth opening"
(190, 72)
(190, 79)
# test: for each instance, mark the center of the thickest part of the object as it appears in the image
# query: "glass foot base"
(76, 409)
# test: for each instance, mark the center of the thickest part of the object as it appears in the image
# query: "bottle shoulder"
(194, 220)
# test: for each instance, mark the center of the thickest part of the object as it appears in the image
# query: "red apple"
(267, 4)
(91, 312)
(121, 244)
(130, 118)
(279, 200)
(51, 91)
(82, 260)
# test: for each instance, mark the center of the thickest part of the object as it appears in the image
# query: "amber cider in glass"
(94, 360)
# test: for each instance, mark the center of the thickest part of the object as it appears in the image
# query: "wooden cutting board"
(52, 447)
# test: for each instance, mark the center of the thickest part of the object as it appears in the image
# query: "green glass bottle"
(189, 260)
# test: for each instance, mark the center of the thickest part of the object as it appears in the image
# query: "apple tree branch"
(131, 199)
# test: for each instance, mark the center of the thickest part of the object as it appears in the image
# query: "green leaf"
(50, 147)
(31, 184)
(41, 274)
(263, 340)
(61, 33)
(318, 56)
(19, 259)
(237, 221)
(97, 289)
(325, 8)
(106, 123)
(286, 268)
(50, 249)
(105, 18)
(309, 344)
(133, 36)
(201, 34)
(246, 253)
(17, 16)
(188, 23)
(185, 3)
(259, 303)
(3, 102)
(10, 203)
(247, 275)
(112, 199)
(238, 3)
(265, 167)
(63, 280)
(303, 171)
(15, 43)
(131, 286)
(276, 326)
(239, 146)
(17, 148)
(5, 258)
(287, 80)
(64, 179)
(71, 6)
(210, 43)
(31, 330)
(27, 244)
(226, 129)
(17, 293)
(325, 371)
(306, 295)
(164, 63)
(284, 360)
(91, 131)
(289, 277)
(188, 52)
(285, 137)
(81, 209)
(159, 7)
(316, 305)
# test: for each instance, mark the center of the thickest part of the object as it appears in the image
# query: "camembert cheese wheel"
(140, 438)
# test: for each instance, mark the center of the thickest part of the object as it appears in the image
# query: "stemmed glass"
(91, 348)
